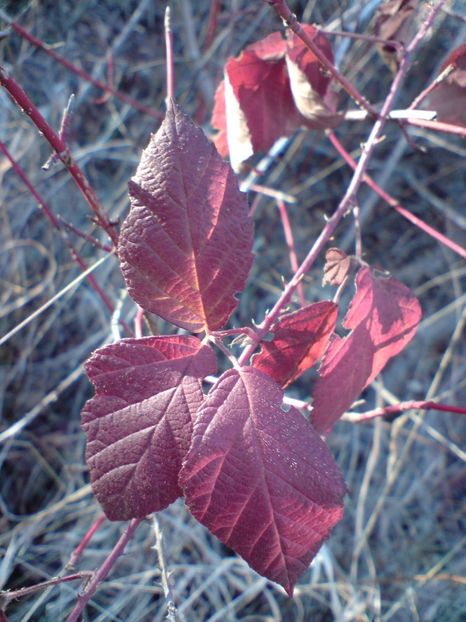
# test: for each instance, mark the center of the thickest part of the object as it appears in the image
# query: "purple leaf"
(261, 479)
(185, 247)
(139, 423)
(299, 341)
(383, 315)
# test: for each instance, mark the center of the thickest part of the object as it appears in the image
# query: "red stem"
(291, 247)
(402, 407)
(291, 21)
(58, 144)
(57, 225)
(155, 114)
(7, 596)
(78, 551)
(440, 237)
(438, 126)
(348, 200)
(103, 571)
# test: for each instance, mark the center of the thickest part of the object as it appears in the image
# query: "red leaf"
(310, 85)
(300, 339)
(185, 247)
(448, 97)
(261, 479)
(336, 268)
(255, 105)
(384, 315)
(139, 423)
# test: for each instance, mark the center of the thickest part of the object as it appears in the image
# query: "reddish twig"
(291, 248)
(84, 236)
(78, 551)
(7, 596)
(155, 114)
(396, 409)
(61, 148)
(348, 200)
(57, 225)
(103, 571)
(440, 237)
(438, 126)
(290, 20)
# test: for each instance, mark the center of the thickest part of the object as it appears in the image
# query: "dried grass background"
(399, 553)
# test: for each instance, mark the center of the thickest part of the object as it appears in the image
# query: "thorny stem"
(348, 200)
(58, 144)
(7, 596)
(290, 20)
(103, 571)
(57, 225)
(291, 247)
(396, 409)
(155, 114)
(171, 607)
(169, 51)
(440, 237)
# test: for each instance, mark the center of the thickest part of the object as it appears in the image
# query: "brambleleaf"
(273, 87)
(261, 479)
(139, 423)
(185, 247)
(299, 341)
(383, 318)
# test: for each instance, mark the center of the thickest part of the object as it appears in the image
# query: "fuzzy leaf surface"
(261, 479)
(300, 339)
(185, 247)
(383, 318)
(139, 423)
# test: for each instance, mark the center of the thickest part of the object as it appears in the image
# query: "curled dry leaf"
(185, 247)
(383, 317)
(336, 267)
(395, 21)
(260, 479)
(299, 341)
(271, 89)
(448, 97)
(139, 423)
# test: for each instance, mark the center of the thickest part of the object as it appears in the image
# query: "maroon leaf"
(309, 83)
(185, 247)
(271, 89)
(336, 268)
(300, 339)
(139, 423)
(260, 478)
(448, 97)
(384, 315)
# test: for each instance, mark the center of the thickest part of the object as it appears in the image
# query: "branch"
(290, 20)
(103, 571)
(349, 199)
(396, 409)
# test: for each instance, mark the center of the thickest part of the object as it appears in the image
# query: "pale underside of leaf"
(260, 478)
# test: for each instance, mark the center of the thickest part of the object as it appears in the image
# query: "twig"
(103, 571)
(26, 105)
(438, 126)
(7, 596)
(171, 607)
(155, 114)
(291, 22)
(349, 198)
(396, 409)
(440, 237)
(78, 551)
(291, 247)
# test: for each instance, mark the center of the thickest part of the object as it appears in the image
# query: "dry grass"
(398, 553)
